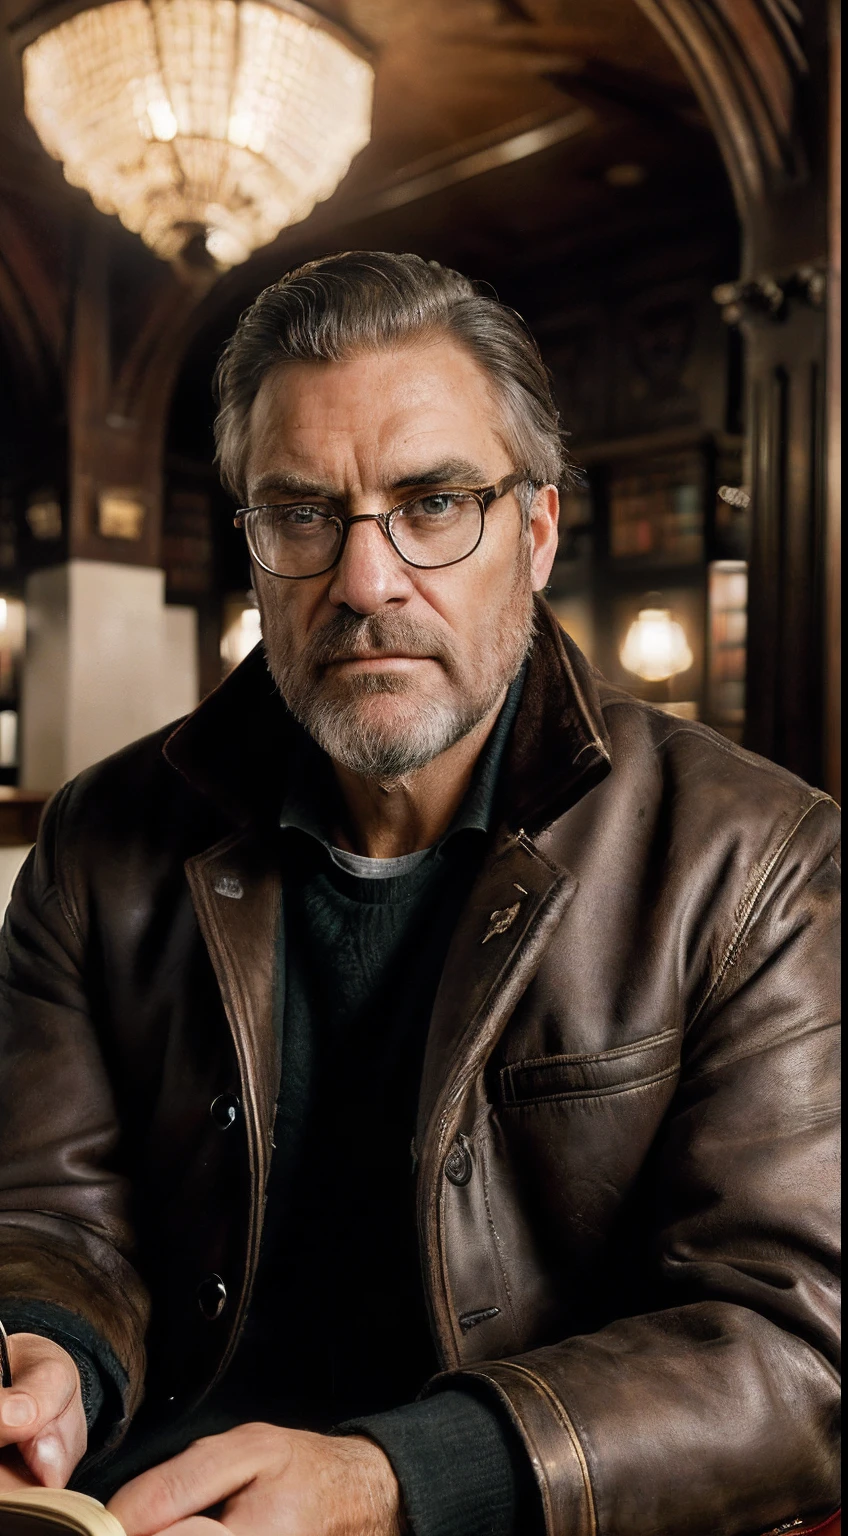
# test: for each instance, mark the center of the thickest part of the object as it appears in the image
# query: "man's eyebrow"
(451, 472)
(287, 482)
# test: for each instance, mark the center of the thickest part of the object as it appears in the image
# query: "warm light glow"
(12, 628)
(241, 632)
(225, 118)
(8, 738)
(656, 647)
(625, 175)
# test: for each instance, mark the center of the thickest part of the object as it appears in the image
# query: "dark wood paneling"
(785, 357)
(20, 813)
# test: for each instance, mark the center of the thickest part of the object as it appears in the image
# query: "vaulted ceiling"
(516, 139)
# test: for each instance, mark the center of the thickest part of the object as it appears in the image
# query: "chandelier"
(221, 121)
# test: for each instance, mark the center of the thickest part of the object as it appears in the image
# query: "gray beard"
(423, 727)
(369, 750)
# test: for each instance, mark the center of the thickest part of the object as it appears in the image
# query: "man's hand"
(42, 1422)
(271, 1482)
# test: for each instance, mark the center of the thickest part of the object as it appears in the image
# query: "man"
(424, 1051)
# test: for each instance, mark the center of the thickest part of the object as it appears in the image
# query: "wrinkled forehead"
(377, 418)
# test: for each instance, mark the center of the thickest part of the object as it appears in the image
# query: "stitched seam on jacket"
(584, 708)
(547, 1392)
(810, 1530)
(484, 1155)
(67, 906)
(635, 1086)
(649, 1042)
(749, 903)
(534, 851)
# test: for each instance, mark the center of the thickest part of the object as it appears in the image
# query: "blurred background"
(653, 184)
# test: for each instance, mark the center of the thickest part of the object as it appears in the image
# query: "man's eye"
(303, 517)
(436, 505)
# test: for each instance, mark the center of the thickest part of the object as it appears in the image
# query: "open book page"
(50, 1511)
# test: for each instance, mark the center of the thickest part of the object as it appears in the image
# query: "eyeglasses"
(432, 529)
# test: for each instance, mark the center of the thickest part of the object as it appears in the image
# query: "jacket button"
(224, 1110)
(458, 1165)
(212, 1297)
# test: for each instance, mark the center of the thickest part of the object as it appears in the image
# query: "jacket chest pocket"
(594, 1075)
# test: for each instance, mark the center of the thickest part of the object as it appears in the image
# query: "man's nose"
(370, 572)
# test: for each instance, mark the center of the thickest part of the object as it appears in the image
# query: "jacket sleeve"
(462, 1469)
(714, 1411)
(65, 1235)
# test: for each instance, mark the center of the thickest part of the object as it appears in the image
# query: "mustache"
(354, 634)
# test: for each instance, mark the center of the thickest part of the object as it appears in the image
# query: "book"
(53, 1511)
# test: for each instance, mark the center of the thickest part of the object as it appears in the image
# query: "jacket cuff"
(462, 1469)
(551, 1444)
(103, 1380)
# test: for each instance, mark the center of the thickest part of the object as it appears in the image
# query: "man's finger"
(46, 1380)
(18, 1412)
(211, 1470)
(53, 1455)
(42, 1414)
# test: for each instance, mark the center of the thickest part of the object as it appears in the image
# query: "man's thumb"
(49, 1459)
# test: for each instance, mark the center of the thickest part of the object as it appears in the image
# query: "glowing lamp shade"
(223, 119)
(655, 646)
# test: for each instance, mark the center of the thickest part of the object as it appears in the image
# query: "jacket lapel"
(505, 928)
(236, 896)
(558, 752)
(234, 749)
(513, 909)
(235, 889)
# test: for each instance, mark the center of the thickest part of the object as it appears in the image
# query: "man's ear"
(544, 534)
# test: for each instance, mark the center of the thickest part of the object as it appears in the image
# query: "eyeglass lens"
(436, 529)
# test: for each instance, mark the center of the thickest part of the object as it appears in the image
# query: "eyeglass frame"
(485, 495)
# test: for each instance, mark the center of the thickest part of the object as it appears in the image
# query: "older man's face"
(385, 664)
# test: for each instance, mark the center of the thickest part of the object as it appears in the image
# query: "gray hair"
(330, 309)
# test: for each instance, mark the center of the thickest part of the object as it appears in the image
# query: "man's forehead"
(419, 412)
(368, 386)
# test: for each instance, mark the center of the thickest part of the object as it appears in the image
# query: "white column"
(106, 662)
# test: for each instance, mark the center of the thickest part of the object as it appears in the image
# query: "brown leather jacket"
(625, 1146)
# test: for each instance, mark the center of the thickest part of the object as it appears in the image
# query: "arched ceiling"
(459, 84)
(500, 131)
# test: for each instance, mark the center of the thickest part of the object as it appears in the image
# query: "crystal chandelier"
(218, 120)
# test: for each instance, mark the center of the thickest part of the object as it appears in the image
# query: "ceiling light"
(225, 120)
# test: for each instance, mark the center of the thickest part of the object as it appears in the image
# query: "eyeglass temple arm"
(495, 492)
